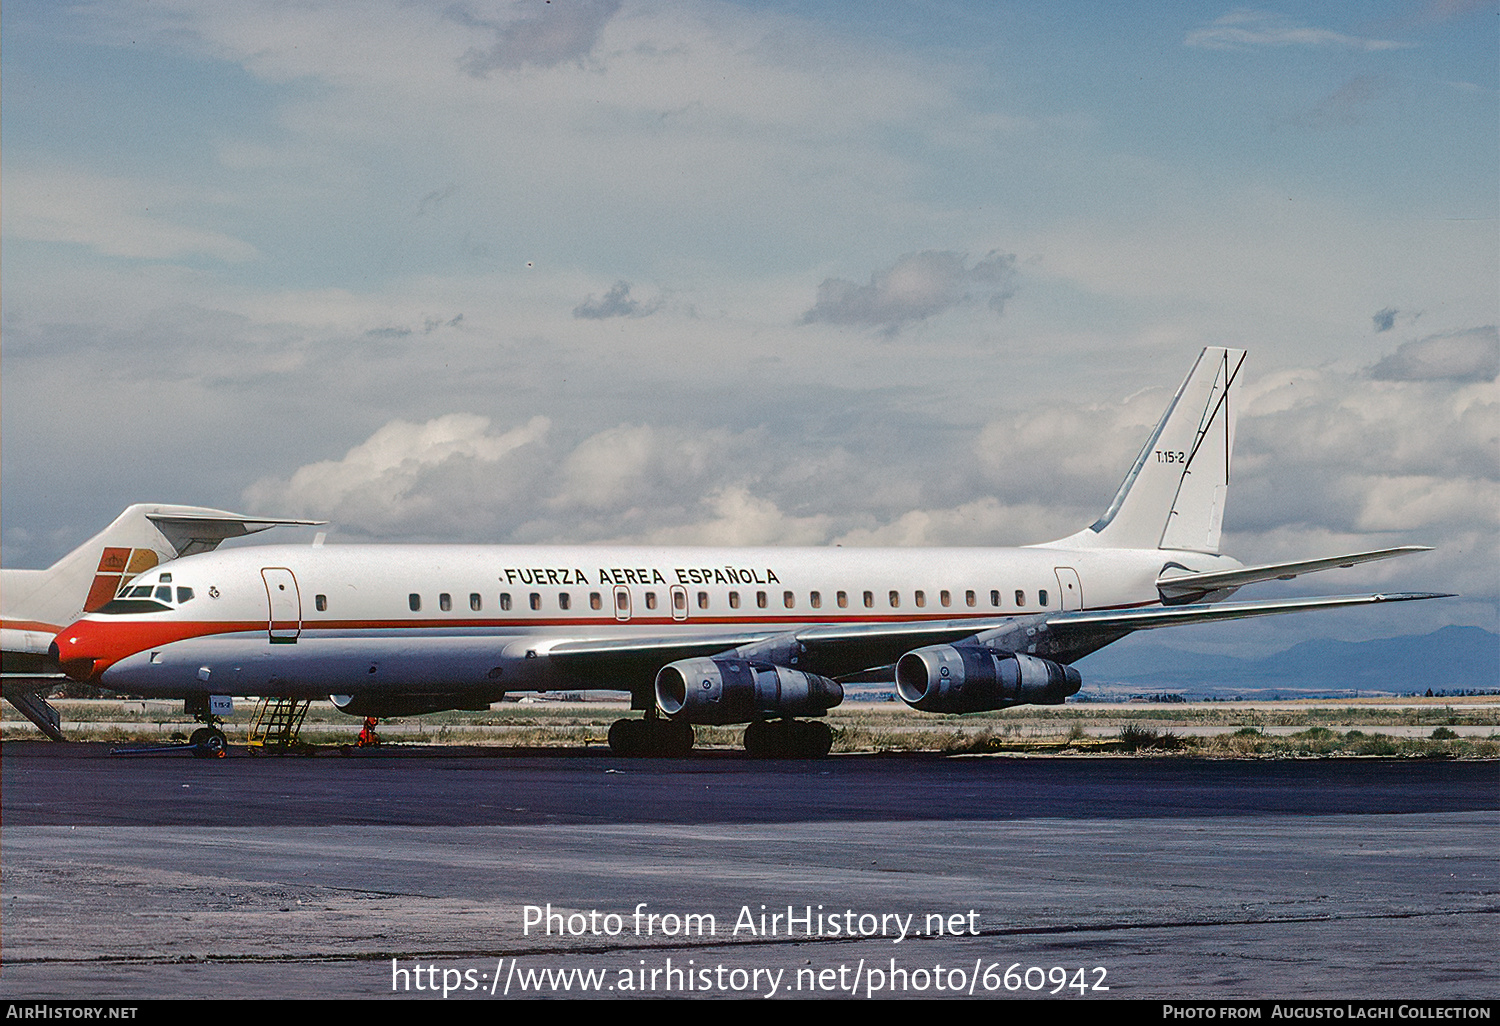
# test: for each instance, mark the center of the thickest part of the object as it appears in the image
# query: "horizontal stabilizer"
(1192, 586)
(1126, 620)
(191, 530)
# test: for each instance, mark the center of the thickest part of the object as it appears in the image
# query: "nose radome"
(73, 655)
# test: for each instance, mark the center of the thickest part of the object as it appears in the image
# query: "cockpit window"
(139, 591)
(164, 593)
(184, 595)
(132, 605)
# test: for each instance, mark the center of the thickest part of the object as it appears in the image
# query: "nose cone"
(77, 650)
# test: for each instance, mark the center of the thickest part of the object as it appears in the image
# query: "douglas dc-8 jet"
(761, 636)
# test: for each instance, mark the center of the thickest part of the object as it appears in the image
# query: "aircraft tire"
(208, 743)
(787, 739)
(627, 738)
(633, 739)
(817, 739)
(673, 739)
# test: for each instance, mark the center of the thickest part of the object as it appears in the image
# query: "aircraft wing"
(834, 649)
(840, 649)
(1187, 586)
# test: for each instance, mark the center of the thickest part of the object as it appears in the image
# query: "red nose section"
(82, 651)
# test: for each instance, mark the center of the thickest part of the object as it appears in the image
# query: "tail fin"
(138, 539)
(1173, 497)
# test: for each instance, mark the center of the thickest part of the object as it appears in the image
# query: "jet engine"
(719, 691)
(972, 678)
(383, 706)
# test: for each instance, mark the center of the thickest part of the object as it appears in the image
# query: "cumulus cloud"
(1244, 28)
(739, 517)
(395, 479)
(1385, 319)
(915, 287)
(617, 302)
(1469, 355)
(554, 34)
(1340, 452)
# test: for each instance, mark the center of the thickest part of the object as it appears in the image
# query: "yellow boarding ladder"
(277, 723)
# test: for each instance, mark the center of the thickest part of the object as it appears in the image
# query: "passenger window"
(816, 600)
(1041, 597)
(703, 600)
(415, 601)
(895, 600)
(869, 600)
(320, 601)
(788, 599)
(995, 599)
(595, 602)
(650, 600)
(1020, 598)
(969, 599)
(622, 600)
(536, 600)
(843, 598)
(475, 602)
(505, 601)
(679, 600)
(760, 599)
(921, 598)
(734, 600)
(445, 602)
(564, 601)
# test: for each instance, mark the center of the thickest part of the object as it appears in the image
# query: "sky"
(756, 273)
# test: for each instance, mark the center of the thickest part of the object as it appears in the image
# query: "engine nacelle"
(408, 705)
(971, 678)
(719, 691)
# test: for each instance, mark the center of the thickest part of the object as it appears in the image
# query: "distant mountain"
(1452, 659)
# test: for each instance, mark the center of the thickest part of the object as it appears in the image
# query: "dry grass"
(1215, 730)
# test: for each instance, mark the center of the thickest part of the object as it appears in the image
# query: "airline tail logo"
(116, 567)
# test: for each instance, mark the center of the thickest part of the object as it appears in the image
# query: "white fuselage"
(314, 620)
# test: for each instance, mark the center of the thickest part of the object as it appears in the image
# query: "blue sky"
(761, 272)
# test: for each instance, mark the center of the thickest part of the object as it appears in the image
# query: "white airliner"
(702, 635)
(35, 604)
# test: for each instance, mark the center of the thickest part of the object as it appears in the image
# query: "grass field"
(1463, 728)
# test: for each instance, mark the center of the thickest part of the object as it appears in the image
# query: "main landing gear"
(652, 736)
(788, 739)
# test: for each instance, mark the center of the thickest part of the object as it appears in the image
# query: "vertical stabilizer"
(1173, 497)
(140, 538)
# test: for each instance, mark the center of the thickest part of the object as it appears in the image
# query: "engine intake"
(972, 678)
(719, 691)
